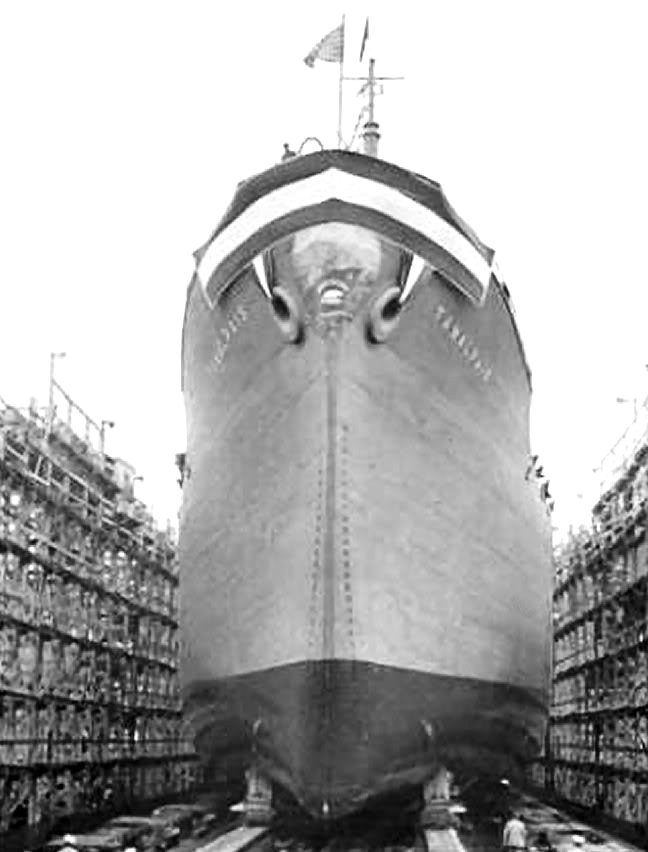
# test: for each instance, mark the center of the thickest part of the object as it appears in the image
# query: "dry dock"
(564, 833)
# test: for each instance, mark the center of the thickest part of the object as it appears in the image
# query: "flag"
(329, 49)
(364, 38)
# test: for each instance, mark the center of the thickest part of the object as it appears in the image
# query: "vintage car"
(96, 841)
(148, 834)
(193, 819)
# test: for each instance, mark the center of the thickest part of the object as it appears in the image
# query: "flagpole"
(340, 87)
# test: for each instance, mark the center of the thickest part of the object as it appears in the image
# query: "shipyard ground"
(478, 831)
(563, 831)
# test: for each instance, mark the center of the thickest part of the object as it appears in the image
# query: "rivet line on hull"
(345, 539)
(331, 344)
(316, 567)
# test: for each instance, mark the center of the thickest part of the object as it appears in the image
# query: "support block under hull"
(334, 734)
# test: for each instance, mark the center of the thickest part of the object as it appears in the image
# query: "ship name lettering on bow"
(464, 344)
(226, 333)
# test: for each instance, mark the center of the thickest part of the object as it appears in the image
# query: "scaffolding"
(597, 755)
(90, 713)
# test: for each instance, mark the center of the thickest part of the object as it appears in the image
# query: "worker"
(287, 154)
(514, 837)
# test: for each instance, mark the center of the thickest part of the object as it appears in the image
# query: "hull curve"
(366, 569)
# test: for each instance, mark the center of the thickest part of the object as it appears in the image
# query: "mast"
(340, 88)
(370, 132)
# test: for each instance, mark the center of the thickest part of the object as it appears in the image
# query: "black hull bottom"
(334, 734)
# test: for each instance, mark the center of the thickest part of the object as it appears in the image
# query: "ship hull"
(336, 734)
(366, 569)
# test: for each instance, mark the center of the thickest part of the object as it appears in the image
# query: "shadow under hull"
(335, 734)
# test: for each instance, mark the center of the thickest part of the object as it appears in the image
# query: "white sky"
(126, 124)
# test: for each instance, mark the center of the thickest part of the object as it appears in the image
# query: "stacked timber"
(89, 698)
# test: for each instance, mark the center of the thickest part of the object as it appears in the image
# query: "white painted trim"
(417, 266)
(353, 189)
(259, 268)
(497, 272)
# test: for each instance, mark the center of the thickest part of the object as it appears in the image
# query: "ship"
(365, 547)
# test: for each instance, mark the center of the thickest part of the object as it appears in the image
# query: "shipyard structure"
(597, 749)
(89, 702)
